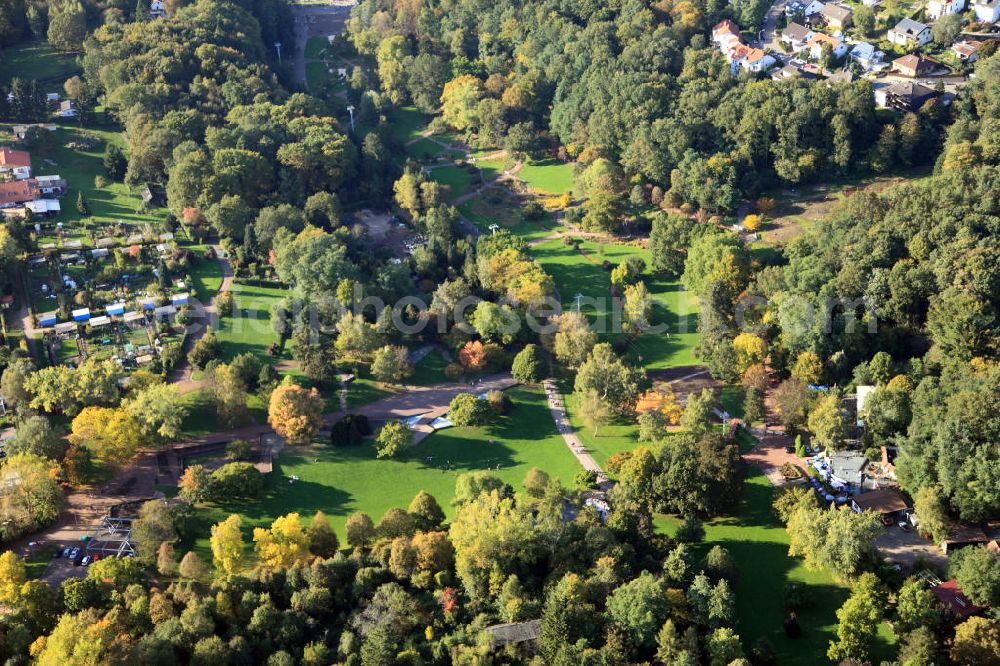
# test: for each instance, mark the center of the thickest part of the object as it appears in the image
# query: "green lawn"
(344, 480)
(318, 75)
(457, 179)
(759, 544)
(549, 176)
(673, 308)
(250, 329)
(110, 204)
(424, 149)
(482, 211)
(429, 370)
(36, 563)
(206, 275)
(38, 61)
(408, 123)
(316, 46)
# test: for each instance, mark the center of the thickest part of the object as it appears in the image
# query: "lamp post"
(578, 298)
(493, 227)
(350, 110)
(277, 47)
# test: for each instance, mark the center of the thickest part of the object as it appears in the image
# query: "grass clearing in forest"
(249, 329)
(758, 542)
(408, 123)
(340, 481)
(458, 180)
(40, 62)
(549, 176)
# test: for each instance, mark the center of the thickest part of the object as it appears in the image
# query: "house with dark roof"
(796, 35)
(904, 96)
(848, 467)
(909, 34)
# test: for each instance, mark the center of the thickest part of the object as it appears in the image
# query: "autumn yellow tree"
(227, 545)
(12, 578)
(111, 435)
(750, 350)
(752, 223)
(295, 413)
(460, 101)
(808, 367)
(286, 543)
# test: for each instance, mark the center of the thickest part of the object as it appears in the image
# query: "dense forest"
(636, 84)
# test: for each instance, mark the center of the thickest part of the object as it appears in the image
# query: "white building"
(987, 11)
(910, 34)
(938, 8)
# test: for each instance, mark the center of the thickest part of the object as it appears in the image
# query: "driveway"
(905, 548)
(770, 25)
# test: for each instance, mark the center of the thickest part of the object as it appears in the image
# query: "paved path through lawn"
(558, 409)
(204, 316)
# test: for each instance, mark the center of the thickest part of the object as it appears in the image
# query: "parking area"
(907, 548)
(60, 569)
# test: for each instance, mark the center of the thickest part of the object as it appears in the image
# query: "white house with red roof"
(14, 164)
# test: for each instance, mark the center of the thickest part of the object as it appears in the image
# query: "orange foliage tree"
(295, 413)
(473, 356)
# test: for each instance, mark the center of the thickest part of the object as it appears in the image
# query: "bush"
(225, 304)
(529, 365)
(236, 480)
(350, 430)
(239, 450)
(100, 182)
(500, 402)
(615, 462)
(468, 410)
(454, 370)
(206, 349)
(585, 479)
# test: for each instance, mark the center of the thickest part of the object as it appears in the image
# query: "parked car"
(85, 561)
(905, 526)
(67, 551)
(78, 560)
(74, 553)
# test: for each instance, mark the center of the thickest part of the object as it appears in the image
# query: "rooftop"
(910, 27)
(881, 501)
(951, 595)
(14, 158)
(835, 12)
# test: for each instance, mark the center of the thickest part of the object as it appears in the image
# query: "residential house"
(67, 109)
(903, 96)
(913, 65)
(886, 502)
(867, 56)
(840, 76)
(836, 43)
(515, 633)
(17, 193)
(153, 196)
(790, 71)
(51, 185)
(951, 597)
(938, 8)
(986, 11)
(837, 16)
(848, 468)
(966, 50)
(756, 61)
(156, 9)
(909, 34)
(726, 35)
(14, 164)
(796, 36)
(21, 131)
